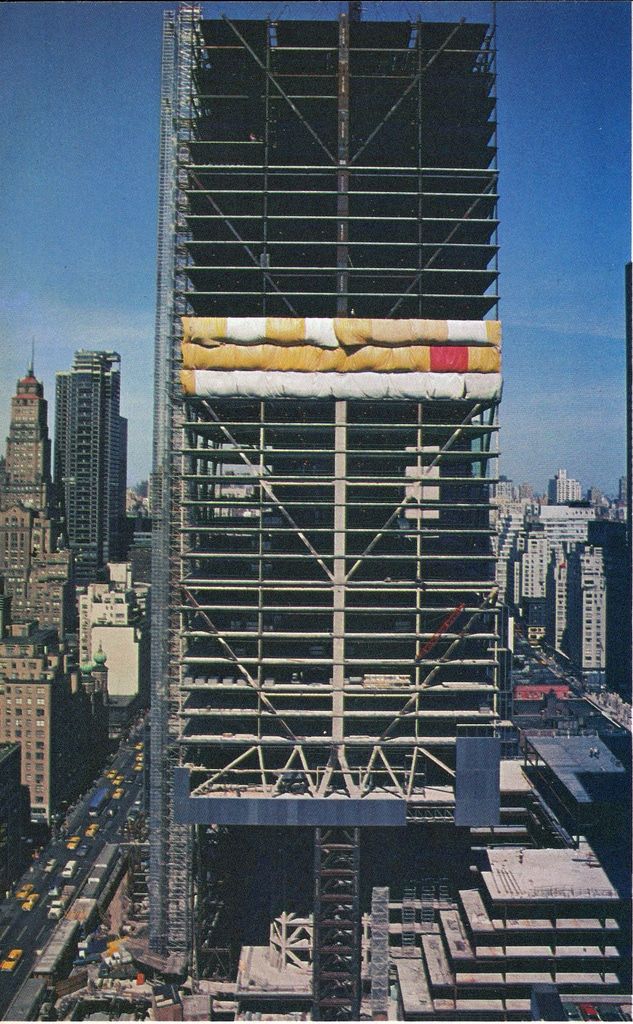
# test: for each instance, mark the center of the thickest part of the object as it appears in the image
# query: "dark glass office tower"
(90, 460)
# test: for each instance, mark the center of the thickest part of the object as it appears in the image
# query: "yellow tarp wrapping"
(327, 333)
(311, 359)
(352, 332)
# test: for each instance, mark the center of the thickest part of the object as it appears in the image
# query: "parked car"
(588, 1011)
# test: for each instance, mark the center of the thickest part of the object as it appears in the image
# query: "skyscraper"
(28, 452)
(90, 460)
(34, 560)
(326, 627)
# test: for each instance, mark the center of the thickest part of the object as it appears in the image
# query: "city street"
(30, 930)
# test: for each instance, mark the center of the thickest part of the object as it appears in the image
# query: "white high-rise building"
(534, 566)
(586, 609)
(564, 525)
(562, 489)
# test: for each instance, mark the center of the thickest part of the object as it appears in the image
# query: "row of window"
(29, 700)
(18, 689)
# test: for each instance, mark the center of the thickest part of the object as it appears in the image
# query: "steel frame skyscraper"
(325, 617)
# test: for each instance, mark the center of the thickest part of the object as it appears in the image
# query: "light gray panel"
(477, 780)
(282, 810)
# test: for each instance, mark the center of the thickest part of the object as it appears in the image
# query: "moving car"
(92, 829)
(31, 900)
(73, 842)
(24, 892)
(12, 959)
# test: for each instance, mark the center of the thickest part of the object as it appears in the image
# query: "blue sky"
(79, 90)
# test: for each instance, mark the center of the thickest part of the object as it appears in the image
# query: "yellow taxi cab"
(92, 830)
(138, 767)
(138, 746)
(117, 780)
(31, 900)
(118, 793)
(73, 842)
(24, 892)
(12, 959)
(111, 774)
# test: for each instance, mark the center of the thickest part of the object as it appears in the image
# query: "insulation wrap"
(342, 357)
(370, 386)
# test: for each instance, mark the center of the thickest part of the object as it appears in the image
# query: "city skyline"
(85, 156)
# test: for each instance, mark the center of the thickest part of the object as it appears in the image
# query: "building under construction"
(328, 692)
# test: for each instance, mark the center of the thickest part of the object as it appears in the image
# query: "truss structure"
(307, 552)
(314, 565)
(337, 939)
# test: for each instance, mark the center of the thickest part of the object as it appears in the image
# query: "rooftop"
(572, 757)
(257, 975)
(546, 874)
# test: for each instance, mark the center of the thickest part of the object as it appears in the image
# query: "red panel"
(449, 358)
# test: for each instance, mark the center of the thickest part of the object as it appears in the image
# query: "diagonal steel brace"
(268, 489)
(473, 412)
(279, 89)
(408, 89)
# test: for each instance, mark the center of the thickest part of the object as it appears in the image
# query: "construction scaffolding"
(323, 568)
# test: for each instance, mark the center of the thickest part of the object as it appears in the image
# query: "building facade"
(586, 611)
(27, 468)
(45, 707)
(90, 460)
(35, 561)
(113, 617)
(13, 818)
(38, 568)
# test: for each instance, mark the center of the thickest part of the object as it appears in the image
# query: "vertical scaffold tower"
(327, 383)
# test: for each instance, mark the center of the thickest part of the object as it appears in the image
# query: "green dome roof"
(100, 657)
(86, 668)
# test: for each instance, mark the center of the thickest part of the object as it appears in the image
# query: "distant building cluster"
(74, 586)
(563, 569)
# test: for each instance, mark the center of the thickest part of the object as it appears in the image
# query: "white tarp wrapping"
(370, 386)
